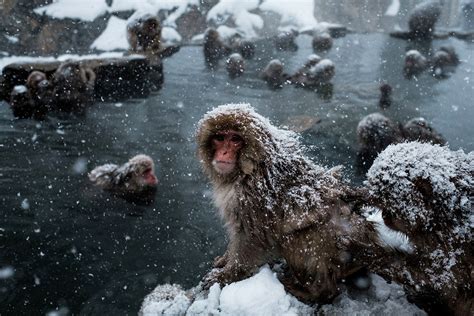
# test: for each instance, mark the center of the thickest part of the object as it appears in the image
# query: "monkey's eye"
(236, 139)
(219, 137)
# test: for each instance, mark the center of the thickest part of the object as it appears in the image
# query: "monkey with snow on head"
(73, 87)
(134, 181)
(276, 203)
(425, 193)
(235, 65)
(214, 48)
(274, 75)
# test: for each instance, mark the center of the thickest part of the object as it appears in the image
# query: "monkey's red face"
(226, 146)
(149, 177)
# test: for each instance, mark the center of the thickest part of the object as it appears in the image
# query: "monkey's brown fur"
(126, 180)
(144, 34)
(279, 204)
(73, 85)
(214, 49)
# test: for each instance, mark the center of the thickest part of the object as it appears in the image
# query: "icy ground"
(263, 294)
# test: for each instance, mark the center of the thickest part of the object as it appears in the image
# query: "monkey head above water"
(235, 65)
(135, 181)
(276, 203)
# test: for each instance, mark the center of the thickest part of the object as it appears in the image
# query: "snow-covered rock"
(263, 294)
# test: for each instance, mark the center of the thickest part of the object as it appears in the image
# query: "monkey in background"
(374, 133)
(322, 42)
(214, 48)
(20, 102)
(235, 65)
(274, 76)
(245, 48)
(33, 100)
(418, 129)
(73, 87)
(385, 100)
(301, 77)
(144, 34)
(41, 93)
(444, 61)
(285, 41)
(144, 37)
(276, 203)
(415, 64)
(423, 18)
(134, 181)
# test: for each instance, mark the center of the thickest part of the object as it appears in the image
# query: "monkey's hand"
(221, 261)
(225, 275)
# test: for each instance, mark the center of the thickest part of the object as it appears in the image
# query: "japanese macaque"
(235, 65)
(73, 87)
(41, 93)
(134, 181)
(426, 195)
(144, 34)
(444, 61)
(423, 18)
(245, 48)
(276, 203)
(322, 41)
(374, 133)
(418, 129)
(300, 78)
(20, 102)
(214, 48)
(321, 73)
(415, 64)
(286, 41)
(144, 37)
(385, 100)
(274, 76)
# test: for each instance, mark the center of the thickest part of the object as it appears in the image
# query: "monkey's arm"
(241, 259)
(169, 51)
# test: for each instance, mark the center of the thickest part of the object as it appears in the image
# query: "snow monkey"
(144, 34)
(73, 87)
(426, 195)
(276, 203)
(135, 181)
(235, 65)
(214, 48)
(41, 93)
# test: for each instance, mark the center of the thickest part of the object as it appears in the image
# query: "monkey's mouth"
(150, 178)
(223, 167)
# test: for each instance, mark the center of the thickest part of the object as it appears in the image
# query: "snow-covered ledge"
(263, 294)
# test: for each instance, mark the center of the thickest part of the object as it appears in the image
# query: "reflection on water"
(74, 247)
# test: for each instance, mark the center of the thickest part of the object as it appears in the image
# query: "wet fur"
(281, 205)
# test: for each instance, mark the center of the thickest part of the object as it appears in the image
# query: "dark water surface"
(81, 250)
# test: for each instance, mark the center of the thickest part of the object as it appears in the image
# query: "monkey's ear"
(247, 166)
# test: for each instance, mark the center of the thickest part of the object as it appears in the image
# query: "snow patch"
(113, 37)
(263, 294)
(85, 10)
(393, 9)
(300, 16)
(238, 11)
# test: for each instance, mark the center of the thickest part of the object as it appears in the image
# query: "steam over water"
(73, 247)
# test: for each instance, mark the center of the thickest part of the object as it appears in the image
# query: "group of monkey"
(411, 222)
(71, 89)
(279, 205)
(313, 74)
